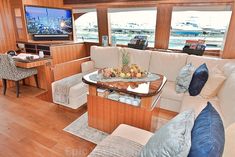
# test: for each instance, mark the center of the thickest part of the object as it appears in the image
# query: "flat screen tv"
(48, 21)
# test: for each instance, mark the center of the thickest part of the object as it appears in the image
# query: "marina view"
(185, 25)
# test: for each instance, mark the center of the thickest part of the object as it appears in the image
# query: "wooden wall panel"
(163, 26)
(229, 47)
(7, 35)
(103, 23)
(65, 53)
(69, 68)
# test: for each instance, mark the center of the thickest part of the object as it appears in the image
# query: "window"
(86, 29)
(193, 23)
(127, 23)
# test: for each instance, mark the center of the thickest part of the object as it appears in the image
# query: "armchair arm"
(88, 66)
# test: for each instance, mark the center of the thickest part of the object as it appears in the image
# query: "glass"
(126, 24)
(210, 26)
(86, 28)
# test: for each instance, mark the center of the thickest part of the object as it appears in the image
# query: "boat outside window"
(128, 23)
(86, 27)
(194, 23)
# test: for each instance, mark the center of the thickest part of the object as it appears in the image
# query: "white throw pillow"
(173, 139)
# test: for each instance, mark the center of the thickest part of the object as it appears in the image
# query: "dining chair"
(9, 71)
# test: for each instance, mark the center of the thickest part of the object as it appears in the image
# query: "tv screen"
(41, 20)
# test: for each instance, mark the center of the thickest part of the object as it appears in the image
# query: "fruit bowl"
(130, 72)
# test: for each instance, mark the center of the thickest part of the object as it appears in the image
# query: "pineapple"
(125, 62)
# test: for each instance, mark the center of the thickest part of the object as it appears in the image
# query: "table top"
(141, 89)
(33, 63)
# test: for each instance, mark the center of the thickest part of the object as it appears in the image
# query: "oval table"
(106, 115)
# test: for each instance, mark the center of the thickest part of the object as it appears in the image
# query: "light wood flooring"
(30, 127)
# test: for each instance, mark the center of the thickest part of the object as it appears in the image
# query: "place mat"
(149, 78)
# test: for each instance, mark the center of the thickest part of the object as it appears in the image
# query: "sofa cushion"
(227, 99)
(213, 85)
(170, 104)
(172, 139)
(132, 133)
(78, 89)
(168, 64)
(199, 79)
(229, 141)
(169, 92)
(211, 62)
(198, 103)
(105, 56)
(184, 78)
(138, 57)
(207, 134)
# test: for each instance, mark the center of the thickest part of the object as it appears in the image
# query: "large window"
(86, 28)
(127, 23)
(193, 23)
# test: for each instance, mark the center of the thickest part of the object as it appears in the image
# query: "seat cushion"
(138, 57)
(172, 139)
(229, 141)
(168, 64)
(198, 103)
(199, 79)
(105, 57)
(78, 90)
(132, 133)
(208, 134)
(170, 104)
(169, 92)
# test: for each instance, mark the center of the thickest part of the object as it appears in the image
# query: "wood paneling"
(68, 52)
(229, 47)
(106, 115)
(7, 35)
(47, 3)
(163, 26)
(103, 23)
(69, 68)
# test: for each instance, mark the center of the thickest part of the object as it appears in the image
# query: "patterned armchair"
(8, 71)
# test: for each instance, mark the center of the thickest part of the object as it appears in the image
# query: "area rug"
(81, 129)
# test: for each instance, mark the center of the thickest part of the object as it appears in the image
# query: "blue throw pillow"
(208, 134)
(198, 81)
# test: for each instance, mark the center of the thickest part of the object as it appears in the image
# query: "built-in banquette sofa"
(168, 64)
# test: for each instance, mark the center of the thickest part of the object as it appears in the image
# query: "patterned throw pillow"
(199, 79)
(184, 78)
(173, 139)
(208, 136)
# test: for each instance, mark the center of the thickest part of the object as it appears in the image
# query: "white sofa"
(169, 64)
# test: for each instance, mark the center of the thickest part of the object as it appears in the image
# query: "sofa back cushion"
(168, 64)
(227, 99)
(211, 62)
(208, 136)
(105, 56)
(138, 57)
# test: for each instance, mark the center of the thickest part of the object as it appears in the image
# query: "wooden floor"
(30, 127)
